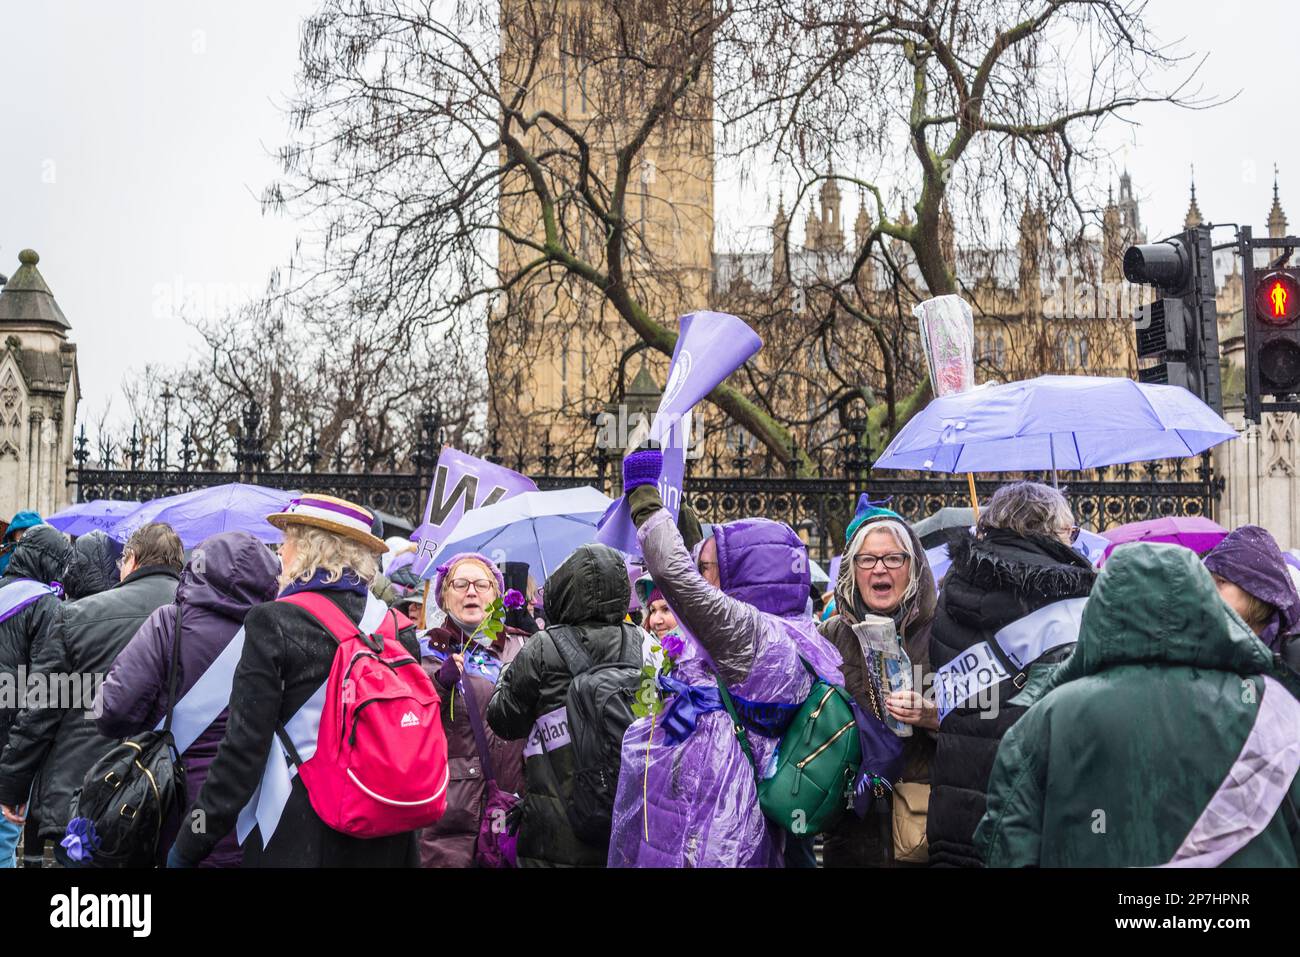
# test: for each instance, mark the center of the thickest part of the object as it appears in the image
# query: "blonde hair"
(319, 550)
(902, 539)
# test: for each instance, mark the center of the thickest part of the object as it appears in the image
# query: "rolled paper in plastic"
(948, 340)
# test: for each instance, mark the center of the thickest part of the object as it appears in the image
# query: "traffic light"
(1178, 333)
(1277, 341)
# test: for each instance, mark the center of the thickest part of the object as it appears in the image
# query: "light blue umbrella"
(101, 514)
(204, 512)
(1055, 422)
(540, 528)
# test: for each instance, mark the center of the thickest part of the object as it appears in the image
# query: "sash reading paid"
(1019, 644)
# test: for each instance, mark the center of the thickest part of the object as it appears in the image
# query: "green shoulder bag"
(816, 760)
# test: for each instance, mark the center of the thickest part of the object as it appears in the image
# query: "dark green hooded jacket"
(589, 591)
(1134, 733)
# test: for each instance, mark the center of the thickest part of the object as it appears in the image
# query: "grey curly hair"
(1026, 508)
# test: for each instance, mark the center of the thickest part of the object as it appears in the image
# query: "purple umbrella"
(85, 517)
(206, 511)
(1055, 422)
(1197, 533)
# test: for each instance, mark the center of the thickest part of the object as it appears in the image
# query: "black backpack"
(599, 706)
(135, 789)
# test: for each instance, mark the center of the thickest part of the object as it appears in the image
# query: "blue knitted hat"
(868, 510)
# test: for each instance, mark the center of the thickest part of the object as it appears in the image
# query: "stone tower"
(1193, 217)
(39, 390)
(1276, 218)
(554, 344)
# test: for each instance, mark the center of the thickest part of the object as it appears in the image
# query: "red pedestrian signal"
(1277, 299)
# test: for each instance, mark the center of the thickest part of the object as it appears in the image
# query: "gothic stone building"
(39, 391)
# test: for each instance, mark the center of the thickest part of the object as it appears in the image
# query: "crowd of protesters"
(1051, 712)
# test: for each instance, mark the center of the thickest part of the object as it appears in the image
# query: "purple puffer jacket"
(235, 572)
(703, 802)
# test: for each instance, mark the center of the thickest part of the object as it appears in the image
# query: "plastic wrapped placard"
(948, 339)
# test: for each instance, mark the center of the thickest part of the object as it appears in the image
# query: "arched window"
(1071, 354)
(1083, 353)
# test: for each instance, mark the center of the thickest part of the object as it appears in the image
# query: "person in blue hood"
(13, 532)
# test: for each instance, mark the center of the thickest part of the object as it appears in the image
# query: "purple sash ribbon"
(23, 592)
(768, 718)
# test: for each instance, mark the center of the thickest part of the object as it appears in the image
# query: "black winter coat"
(51, 748)
(287, 657)
(589, 591)
(41, 556)
(993, 581)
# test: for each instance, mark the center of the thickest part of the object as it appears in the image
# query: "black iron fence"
(816, 498)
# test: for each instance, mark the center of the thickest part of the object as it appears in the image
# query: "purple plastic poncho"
(698, 805)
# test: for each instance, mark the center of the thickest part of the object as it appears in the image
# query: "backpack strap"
(173, 671)
(476, 725)
(336, 621)
(737, 726)
(575, 656)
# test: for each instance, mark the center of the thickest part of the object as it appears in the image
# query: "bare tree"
(348, 391)
(455, 192)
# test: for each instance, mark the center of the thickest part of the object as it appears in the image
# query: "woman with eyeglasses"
(884, 572)
(1017, 563)
(465, 671)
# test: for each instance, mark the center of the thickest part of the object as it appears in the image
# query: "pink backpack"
(380, 765)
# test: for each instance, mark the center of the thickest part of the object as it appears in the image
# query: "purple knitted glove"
(642, 468)
(448, 673)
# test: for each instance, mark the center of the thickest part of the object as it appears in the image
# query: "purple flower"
(673, 645)
(81, 840)
(513, 599)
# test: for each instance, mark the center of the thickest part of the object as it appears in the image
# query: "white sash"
(1256, 785)
(267, 803)
(1022, 642)
(207, 697)
(21, 593)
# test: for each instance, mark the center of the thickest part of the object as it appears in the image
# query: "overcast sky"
(136, 137)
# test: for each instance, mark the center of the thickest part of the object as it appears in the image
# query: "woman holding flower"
(464, 656)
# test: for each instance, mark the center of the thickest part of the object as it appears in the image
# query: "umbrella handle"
(974, 501)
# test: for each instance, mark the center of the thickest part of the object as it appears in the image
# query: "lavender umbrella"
(1055, 422)
(84, 517)
(1197, 533)
(204, 512)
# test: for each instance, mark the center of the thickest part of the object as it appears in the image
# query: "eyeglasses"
(703, 566)
(1073, 530)
(892, 560)
(463, 584)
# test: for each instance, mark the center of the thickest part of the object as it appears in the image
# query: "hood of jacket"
(93, 567)
(228, 574)
(42, 555)
(1251, 559)
(1156, 603)
(849, 604)
(590, 587)
(1005, 560)
(765, 564)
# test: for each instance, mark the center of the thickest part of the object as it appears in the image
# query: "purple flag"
(461, 482)
(710, 346)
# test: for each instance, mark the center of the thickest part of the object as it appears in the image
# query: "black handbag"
(133, 791)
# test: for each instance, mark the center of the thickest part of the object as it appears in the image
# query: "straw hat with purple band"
(335, 515)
